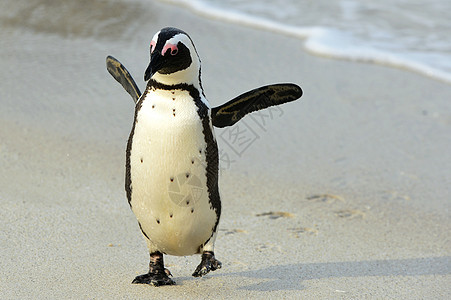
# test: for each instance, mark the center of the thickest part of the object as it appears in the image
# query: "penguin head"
(173, 58)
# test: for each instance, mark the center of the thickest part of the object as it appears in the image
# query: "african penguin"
(172, 155)
(172, 143)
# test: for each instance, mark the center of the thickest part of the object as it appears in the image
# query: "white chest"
(168, 177)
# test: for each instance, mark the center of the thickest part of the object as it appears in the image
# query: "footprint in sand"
(350, 214)
(297, 232)
(327, 198)
(276, 214)
(232, 231)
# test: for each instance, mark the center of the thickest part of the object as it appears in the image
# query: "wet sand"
(342, 194)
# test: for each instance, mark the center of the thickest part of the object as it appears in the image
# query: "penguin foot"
(207, 264)
(157, 279)
(158, 275)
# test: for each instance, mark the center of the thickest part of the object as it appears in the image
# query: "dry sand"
(343, 194)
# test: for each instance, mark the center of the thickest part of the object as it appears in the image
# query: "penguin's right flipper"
(263, 97)
(120, 73)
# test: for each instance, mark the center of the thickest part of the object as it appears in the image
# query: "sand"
(342, 194)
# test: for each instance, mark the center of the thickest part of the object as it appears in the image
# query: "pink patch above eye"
(171, 47)
(152, 46)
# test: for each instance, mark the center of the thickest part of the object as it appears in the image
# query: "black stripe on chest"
(211, 151)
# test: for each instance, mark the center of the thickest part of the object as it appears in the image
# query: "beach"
(343, 194)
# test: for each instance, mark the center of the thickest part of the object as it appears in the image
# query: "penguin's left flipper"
(254, 100)
(120, 73)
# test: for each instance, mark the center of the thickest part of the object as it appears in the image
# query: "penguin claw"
(167, 272)
(157, 279)
(207, 264)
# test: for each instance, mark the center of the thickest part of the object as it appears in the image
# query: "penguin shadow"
(291, 277)
(184, 280)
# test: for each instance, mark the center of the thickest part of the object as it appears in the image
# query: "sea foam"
(327, 41)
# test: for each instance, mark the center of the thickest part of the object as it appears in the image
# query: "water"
(409, 34)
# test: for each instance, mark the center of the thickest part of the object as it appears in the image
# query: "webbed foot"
(157, 279)
(207, 264)
(157, 275)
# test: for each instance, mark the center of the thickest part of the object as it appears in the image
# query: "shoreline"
(313, 37)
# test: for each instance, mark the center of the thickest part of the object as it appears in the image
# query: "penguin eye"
(152, 46)
(174, 49)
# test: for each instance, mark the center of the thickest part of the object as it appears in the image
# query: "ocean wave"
(319, 40)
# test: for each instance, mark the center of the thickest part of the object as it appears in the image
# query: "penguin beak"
(156, 63)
